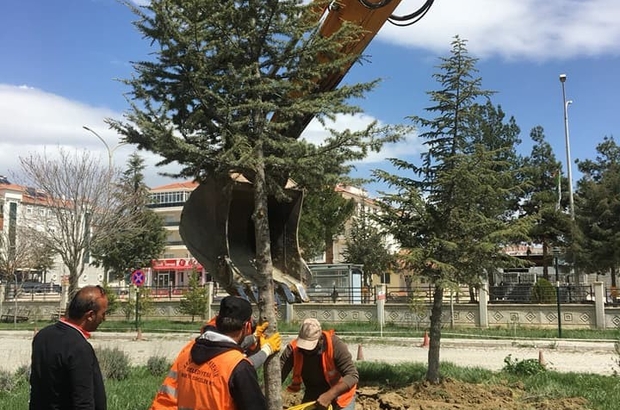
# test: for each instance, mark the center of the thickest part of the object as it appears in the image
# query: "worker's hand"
(271, 344)
(260, 330)
(323, 401)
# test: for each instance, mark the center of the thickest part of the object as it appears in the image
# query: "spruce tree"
(229, 88)
(195, 299)
(135, 247)
(366, 244)
(445, 212)
(598, 211)
(542, 200)
(324, 215)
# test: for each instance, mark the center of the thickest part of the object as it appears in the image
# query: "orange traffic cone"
(426, 341)
(541, 359)
(360, 354)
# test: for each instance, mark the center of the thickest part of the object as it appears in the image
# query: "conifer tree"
(542, 199)
(229, 88)
(445, 211)
(366, 244)
(135, 247)
(598, 211)
(324, 214)
(194, 301)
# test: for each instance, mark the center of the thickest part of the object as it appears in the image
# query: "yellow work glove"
(260, 330)
(271, 344)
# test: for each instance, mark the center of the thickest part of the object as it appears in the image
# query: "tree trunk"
(432, 374)
(264, 266)
(545, 256)
(614, 288)
(329, 247)
(472, 294)
(74, 278)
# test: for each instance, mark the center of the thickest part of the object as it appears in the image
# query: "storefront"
(175, 272)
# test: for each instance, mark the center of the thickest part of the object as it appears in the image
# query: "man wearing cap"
(322, 362)
(212, 372)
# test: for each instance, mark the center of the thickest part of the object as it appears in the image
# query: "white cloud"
(531, 29)
(141, 2)
(316, 134)
(33, 120)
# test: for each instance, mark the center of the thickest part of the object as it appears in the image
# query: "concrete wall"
(482, 314)
(574, 316)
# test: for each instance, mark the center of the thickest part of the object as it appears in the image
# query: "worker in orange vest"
(213, 372)
(252, 343)
(322, 362)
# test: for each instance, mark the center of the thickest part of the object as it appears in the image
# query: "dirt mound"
(454, 395)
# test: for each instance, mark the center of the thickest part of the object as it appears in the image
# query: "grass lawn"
(358, 329)
(601, 392)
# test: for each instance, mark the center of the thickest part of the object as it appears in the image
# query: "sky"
(62, 61)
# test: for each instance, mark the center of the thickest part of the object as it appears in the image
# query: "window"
(385, 277)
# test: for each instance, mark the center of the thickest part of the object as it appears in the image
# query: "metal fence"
(528, 293)
(505, 293)
(511, 293)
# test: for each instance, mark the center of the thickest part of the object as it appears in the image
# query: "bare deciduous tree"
(82, 201)
(17, 254)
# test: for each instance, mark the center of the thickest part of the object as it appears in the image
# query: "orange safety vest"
(198, 387)
(330, 372)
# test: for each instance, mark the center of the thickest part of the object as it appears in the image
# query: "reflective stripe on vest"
(330, 372)
(166, 398)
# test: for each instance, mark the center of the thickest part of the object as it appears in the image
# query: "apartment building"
(26, 209)
(173, 269)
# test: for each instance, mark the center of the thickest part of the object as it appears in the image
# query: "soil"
(453, 395)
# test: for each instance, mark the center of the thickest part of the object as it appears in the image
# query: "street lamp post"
(556, 253)
(567, 140)
(107, 147)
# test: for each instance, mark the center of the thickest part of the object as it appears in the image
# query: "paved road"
(563, 356)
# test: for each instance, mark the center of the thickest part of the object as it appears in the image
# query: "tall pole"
(557, 291)
(107, 147)
(567, 140)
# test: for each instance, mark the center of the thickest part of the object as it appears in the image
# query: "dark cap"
(236, 308)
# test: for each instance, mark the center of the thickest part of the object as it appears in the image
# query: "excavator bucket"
(217, 228)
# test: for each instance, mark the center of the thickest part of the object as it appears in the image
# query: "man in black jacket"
(65, 373)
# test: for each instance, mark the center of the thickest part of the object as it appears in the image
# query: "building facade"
(24, 213)
(175, 266)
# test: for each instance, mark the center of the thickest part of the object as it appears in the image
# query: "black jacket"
(65, 373)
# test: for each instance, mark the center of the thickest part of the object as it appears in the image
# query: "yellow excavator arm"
(369, 18)
(216, 224)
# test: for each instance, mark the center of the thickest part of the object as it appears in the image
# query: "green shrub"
(114, 363)
(8, 381)
(196, 299)
(543, 292)
(157, 365)
(617, 358)
(527, 367)
(22, 374)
